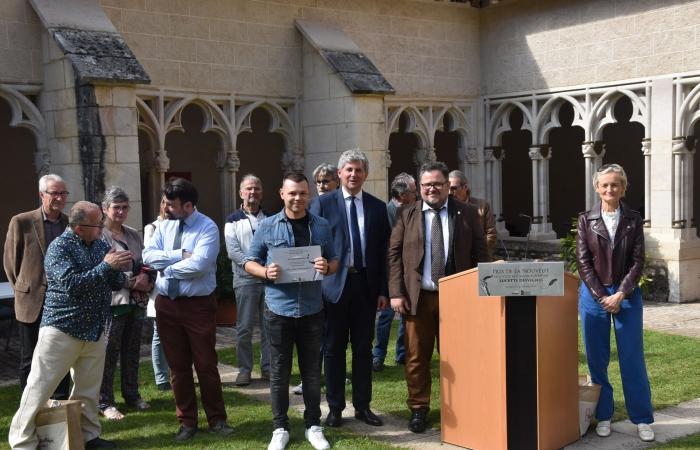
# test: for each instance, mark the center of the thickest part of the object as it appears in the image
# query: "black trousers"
(350, 320)
(306, 333)
(28, 337)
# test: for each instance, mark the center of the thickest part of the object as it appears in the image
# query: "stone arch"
(25, 114)
(499, 123)
(548, 116)
(451, 130)
(602, 112)
(689, 113)
(417, 124)
(281, 124)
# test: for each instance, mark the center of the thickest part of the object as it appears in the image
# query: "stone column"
(228, 166)
(541, 227)
(682, 191)
(646, 151)
(493, 163)
(592, 161)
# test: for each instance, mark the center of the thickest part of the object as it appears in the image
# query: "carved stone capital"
(228, 161)
(161, 161)
(293, 160)
(535, 152)
(42, 161)
(494, 153)
(679, 146)
(646, 147)
(588, 150)
(471, 155)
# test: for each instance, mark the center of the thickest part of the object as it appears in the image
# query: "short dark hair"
(179, 188)
(296, 177)
(431, 166)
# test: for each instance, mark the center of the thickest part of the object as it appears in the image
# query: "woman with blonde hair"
(610, 259)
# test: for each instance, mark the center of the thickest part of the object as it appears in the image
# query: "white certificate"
(296, 263)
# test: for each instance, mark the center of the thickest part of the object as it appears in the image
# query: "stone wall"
(544, 44)
(20, 43)
(252, 47)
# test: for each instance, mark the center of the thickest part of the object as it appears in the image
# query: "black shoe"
(222, 428)
(334, 418)
(164, 386)
(368, 417)
(419, 420)
(185, 433)
(401, 362)
(100, 443)
(377, 365)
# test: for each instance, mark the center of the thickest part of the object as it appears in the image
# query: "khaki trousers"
(56, 353)
(422, 333)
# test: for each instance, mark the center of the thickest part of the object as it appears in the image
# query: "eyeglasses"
(121, 208)
(324, 181)
(428, 186)
(57, 194)
(100, 226)
(456, 188)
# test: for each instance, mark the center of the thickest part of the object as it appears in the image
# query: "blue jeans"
(284, 332)
(595, 322)
(160, 364)
(250, 303)
(386, 316)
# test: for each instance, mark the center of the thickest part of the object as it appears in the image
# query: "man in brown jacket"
(431, 239)
(28, 236)
(459, 188)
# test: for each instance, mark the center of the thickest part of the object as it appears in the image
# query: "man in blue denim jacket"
(293, 311)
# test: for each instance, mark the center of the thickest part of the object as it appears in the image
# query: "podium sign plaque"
(521, 279)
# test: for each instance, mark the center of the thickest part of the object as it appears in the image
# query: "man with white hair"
(82, 271)
(28, 237)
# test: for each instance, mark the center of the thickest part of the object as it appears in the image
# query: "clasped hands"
(612, 303)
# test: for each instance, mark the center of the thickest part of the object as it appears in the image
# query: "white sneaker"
(645, 432)
(603, 428)
(314, 434)
(280, 438)
(298, 390)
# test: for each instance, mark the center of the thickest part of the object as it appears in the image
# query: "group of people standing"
(81, 295)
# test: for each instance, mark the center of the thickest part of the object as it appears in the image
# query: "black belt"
(354, 270)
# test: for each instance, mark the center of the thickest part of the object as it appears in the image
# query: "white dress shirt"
(428, 214)
(360, 221)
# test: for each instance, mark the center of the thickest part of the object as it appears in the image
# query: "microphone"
(529, 228)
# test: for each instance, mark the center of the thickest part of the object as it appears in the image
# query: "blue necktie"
(174, 283)
(356, 240)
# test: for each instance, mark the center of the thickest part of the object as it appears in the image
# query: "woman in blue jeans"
(610, 258)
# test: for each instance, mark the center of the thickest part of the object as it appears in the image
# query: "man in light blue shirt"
(184, 250)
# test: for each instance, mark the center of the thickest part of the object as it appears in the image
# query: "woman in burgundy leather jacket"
(610, 258)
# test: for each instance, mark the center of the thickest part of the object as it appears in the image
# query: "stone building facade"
(528, 98)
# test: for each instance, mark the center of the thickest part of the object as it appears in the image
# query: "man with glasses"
(459, 189)
(326, 178)
(434, 238)
(28, 236)
(82, 271)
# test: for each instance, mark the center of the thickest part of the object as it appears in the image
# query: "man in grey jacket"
(249, 290)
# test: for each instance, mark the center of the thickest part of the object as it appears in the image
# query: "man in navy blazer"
(360, 227)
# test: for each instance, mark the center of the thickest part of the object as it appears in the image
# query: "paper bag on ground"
(58, 428)
(588, 394)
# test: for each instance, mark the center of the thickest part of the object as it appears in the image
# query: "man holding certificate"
(292, 251)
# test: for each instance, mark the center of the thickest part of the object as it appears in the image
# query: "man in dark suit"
(352, 295)
(436, 237)
(28, 236)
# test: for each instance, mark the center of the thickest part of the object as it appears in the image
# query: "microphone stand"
(529, 229)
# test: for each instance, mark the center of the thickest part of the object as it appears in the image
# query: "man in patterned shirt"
(82, 271)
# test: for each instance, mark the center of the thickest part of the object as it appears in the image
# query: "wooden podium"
(508, 367)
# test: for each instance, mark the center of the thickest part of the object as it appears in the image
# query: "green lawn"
(671, 360)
